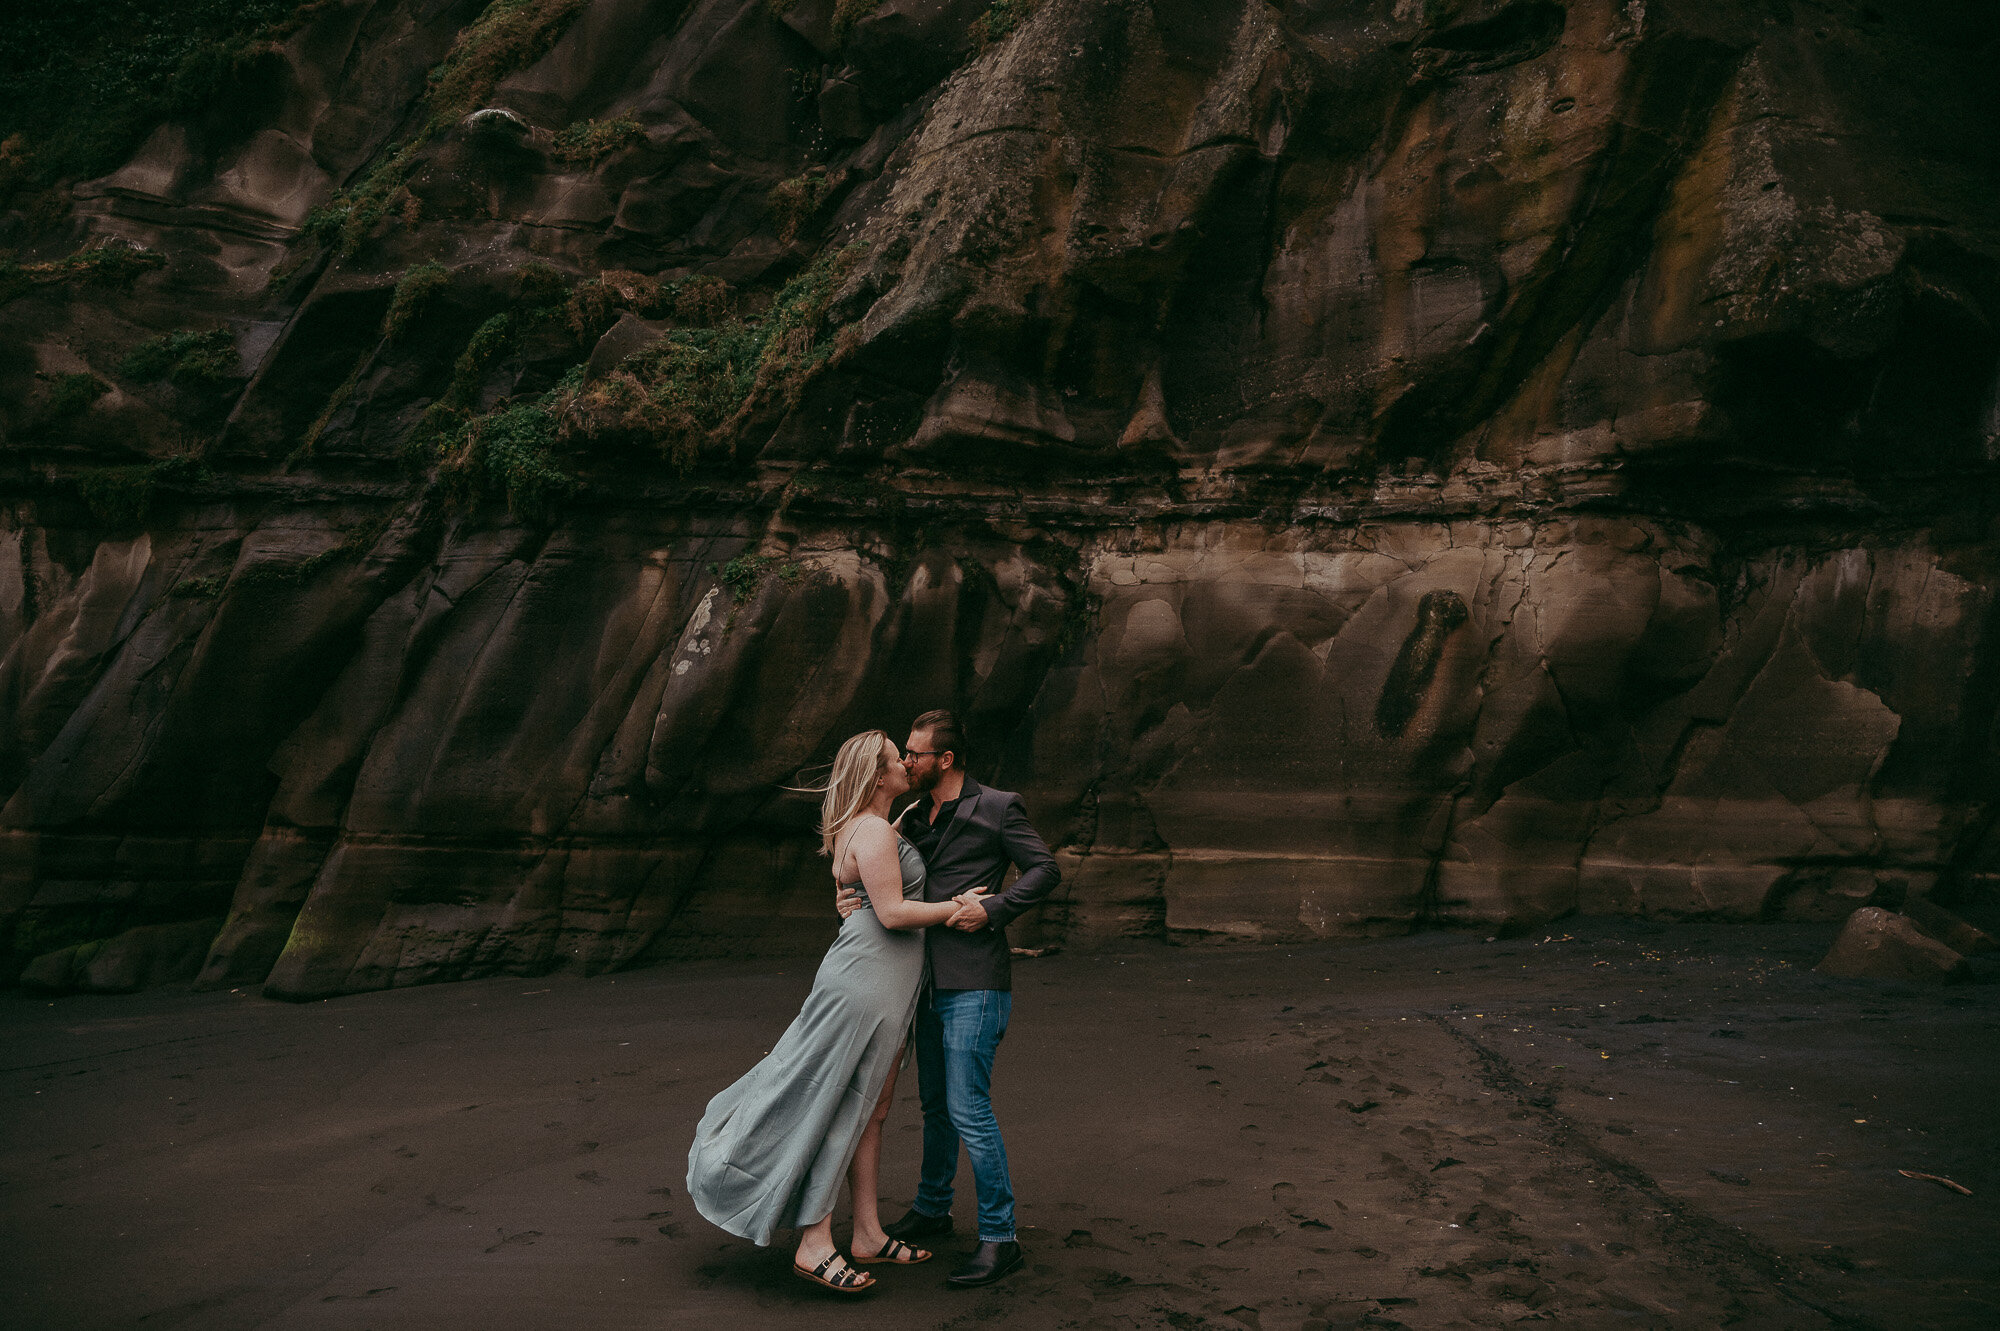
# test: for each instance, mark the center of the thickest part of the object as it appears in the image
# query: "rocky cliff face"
(1357, 464)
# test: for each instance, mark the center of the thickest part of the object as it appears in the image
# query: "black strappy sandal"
(847, 1280)
(893, 1251)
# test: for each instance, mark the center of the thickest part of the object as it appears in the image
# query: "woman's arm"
(873, 846)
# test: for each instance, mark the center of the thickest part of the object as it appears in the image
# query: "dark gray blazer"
(988, 832)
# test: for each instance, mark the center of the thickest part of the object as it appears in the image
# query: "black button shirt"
(925, 835)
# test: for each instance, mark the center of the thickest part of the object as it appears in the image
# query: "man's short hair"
(946, 736)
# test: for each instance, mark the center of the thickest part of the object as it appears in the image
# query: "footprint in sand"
(1249, 1236)
(1396, 1169)
(1083, 1238)
(371, 1294)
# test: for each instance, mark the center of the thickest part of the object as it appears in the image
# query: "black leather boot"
(989, 1262)
(916, 1225)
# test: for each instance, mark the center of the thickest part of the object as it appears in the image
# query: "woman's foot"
(831, 1271)
(867, 1252)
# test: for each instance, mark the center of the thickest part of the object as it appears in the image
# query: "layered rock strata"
(1356, 465)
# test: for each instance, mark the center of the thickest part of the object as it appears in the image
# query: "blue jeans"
(958, 1031)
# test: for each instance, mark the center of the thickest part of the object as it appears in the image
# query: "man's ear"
(947, 761)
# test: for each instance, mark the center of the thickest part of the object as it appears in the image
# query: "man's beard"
(923, 781)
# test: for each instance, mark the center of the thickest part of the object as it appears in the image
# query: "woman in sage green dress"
(770, 1151)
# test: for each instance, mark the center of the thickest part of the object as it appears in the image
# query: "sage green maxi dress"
(771, 1151)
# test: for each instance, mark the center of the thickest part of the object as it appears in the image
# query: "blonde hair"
(851, 786)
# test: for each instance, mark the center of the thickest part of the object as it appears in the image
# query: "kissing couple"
(921, 958)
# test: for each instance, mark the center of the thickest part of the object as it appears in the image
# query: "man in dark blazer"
(968, 834)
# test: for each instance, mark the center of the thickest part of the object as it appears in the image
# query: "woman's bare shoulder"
(868, 827)
(864, 829)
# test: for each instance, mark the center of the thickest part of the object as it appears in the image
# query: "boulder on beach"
(1879, 944)
(1955, 933)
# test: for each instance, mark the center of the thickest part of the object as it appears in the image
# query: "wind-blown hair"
(851, 785)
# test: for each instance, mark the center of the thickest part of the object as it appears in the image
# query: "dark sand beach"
(1610, 1124)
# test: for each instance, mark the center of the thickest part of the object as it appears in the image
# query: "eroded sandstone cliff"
(1357, 464)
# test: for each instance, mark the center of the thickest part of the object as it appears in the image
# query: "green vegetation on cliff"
(416, 289)
(73, 394)
(87, 79)
(847, 13)
(188, 358)
(744, 574)
(345, 221)
(109, 264)
(508, 35)
(793, 202)
(694, 382)
(1001, 19)
(511, 452)
(122, 496)
(673, 393)
(597, 302)
(691, 386)
(589, 142)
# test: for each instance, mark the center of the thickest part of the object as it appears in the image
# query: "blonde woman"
(770, 1151)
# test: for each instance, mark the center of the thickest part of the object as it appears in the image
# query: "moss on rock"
(190, 358)
(588, 142)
